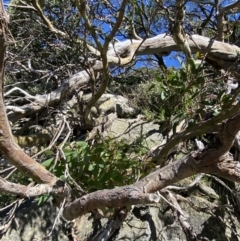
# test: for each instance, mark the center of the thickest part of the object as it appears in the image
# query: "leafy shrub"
(106, 164)
(179, 95)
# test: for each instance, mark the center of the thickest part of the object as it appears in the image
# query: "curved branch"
(104, 57)
(197, 130)
(82, 7)
(8, 147)
(56, 31)
(177, 30)
(51, 99)
(108, 198)
(21, 90)
(230, 8)
(226, 55)
(214, 160)
(45, 20)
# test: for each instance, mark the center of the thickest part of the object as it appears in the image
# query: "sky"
(170, 60)
(5, 2)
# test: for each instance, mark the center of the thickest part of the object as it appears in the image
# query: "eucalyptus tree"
(57, 51)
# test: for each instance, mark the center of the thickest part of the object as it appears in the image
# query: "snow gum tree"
(56, 55)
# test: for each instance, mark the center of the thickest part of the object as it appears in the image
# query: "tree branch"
(24, 191)
(214, 160)
(224, 54)
(197, 130)
(45, 20)
(8, 147)
(230, 8)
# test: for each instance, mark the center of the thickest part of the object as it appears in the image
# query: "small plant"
(180, 95)
(106, 164)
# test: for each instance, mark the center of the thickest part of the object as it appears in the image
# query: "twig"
(196, 180)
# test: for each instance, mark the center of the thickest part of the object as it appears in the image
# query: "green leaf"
(192, 66)
(70, 165)
(197, 55)
(74, 154)
(151, 87)
(43, 199)
(101, 165)
(216, 112)
(82, 144)
(163, 95)
(67, 151)
(90, 167)
(226, 99)
(48, 152)
(103, 153)
(117, 177)
(194, 95)
(48, 162)
(183, 75)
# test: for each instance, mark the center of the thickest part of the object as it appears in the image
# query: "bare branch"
(45, 20)
(183, 220)
(24, 191)
(213, 160)
(224, 54)
(8, 146)
(204, 127)
(108, 198)
(191, 185)
(105, 62)
(21, 90)
(82, 8)
(230, 8)
(11, 215)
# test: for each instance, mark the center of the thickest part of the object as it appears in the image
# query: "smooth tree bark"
(8, 147)
(224, 54)
(214, 159)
